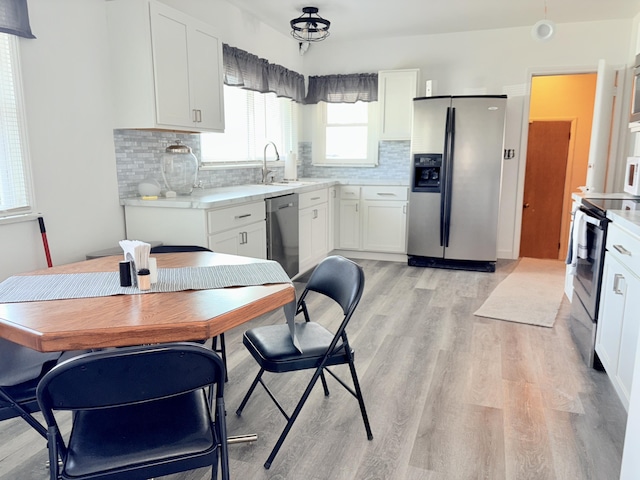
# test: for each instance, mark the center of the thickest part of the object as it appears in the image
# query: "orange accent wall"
(567, 97)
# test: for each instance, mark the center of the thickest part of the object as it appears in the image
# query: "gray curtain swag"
(243, 69)
(351, 88)
(14, 18)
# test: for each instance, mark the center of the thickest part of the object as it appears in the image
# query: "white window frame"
(15, 160)
(289, 143)
(319, 156)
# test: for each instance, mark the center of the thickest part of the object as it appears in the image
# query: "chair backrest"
(339, 279)
(20, 364)
(178, 248)
(129, 375)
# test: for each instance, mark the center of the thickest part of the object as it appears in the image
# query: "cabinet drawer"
(232, 217)
(348, 192)
(624, 246)
(316, 197)
(384, 193)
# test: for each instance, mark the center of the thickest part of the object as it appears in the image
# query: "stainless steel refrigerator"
(456, 173)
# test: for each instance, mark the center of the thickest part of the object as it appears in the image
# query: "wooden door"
(547, 151)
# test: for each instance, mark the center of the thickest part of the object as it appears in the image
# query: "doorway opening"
(560, 118)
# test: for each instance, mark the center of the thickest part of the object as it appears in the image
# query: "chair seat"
(273, 349)
(112, 439)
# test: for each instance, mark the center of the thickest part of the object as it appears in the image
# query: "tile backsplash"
(138, 155)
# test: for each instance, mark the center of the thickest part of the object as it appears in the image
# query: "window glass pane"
(15, 196)
(251, 120)
(347, 113)
(348, 142)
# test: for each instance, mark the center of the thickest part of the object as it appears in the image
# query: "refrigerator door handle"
(445, 173)
(449, 177)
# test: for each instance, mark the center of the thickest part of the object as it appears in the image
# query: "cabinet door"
(384, 226)
(613, 293)
(629, 336)
(349, 231)
(253, 240)
(332, 217)
(312, 228)
(171, 66)
(226, 242)
(396, 91)
(205, 62)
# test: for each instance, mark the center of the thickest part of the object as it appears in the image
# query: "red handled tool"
(45, 242)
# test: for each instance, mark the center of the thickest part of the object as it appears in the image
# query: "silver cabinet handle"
(616, 284)
(315, 198)
(404, 209)
(242, 216)
(315, 213)
(243, 238)
(622, 250)
(195, 115)
(386, 194)
(356, 207)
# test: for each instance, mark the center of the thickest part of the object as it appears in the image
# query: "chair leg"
(222, 351)
(251, 389)
(293, 417)
(324, 384)
(222, 431)
(356, 384)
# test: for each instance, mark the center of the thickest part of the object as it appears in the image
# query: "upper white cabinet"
(166, 68)
(396, 91)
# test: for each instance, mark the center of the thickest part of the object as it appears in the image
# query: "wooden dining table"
(123, 320)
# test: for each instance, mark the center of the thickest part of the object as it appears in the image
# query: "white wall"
(491, 62)
(68, 107)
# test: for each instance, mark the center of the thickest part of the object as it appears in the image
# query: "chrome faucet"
(265, 172)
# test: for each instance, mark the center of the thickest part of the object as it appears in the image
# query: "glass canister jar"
(179, 168)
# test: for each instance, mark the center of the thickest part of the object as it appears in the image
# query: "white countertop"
(627, 219)
(225, 196)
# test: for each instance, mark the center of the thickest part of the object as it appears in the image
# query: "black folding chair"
(21, 369)
(272, 347)
(139, 412)
(197, 248)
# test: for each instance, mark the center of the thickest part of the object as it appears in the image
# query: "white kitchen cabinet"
(349, 218)
(237, 230)
(618, 327)
(332, 214)
(384, 219)
(313, 228)
(248, 241)
(166, 68)
(396, 91)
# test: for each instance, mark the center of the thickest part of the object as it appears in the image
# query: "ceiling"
(364, 19)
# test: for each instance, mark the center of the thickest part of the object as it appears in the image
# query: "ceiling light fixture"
(310, 27)
(544, 29)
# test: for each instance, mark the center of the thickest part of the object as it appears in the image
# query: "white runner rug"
(531, 294)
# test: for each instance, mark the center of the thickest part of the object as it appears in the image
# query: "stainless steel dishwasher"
(282, 232)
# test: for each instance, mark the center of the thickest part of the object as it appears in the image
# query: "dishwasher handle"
(287, 205)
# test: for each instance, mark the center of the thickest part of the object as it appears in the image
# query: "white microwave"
(632, 176)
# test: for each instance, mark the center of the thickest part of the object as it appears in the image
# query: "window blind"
(15, 192)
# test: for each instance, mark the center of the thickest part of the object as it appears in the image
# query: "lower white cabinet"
(313, 228)
(618, 326)
(373, 218)
(248, 241)
(237, 230)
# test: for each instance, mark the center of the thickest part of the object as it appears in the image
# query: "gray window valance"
(243, 69)
(351, 88)
(14, 18)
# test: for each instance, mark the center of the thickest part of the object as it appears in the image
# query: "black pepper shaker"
(125, 273)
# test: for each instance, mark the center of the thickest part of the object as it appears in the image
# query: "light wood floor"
(450, 396)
